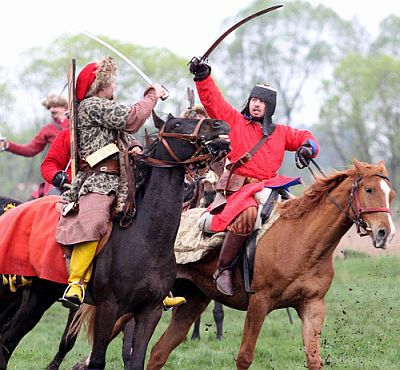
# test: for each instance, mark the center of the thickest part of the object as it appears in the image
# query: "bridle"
(197, 140)
(354, 202)
(355, 206)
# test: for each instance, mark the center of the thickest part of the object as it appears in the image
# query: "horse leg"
(312, 314)
(218, 313)
(66, 344)
(182, 318)
(256, 313)
(196, 329)
(127, 341)
(144, 326)
(33, 306)
(106, 315)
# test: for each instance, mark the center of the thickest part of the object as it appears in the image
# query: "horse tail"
(84, 318)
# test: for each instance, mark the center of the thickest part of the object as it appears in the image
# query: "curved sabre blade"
(235, 26)
(130, 63)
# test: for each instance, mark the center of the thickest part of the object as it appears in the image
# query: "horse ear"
(170, 116)
(158, 122)
(358, 165)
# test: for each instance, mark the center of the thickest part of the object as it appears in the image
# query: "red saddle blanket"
(28, 241)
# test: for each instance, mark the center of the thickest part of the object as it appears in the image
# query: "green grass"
(361, 329)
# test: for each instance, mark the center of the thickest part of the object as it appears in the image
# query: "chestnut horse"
(293, 261)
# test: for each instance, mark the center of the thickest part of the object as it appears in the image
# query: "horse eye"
(176, 125)
(369, 190)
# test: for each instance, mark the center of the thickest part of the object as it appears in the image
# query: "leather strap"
(110, 166)
(245, 158)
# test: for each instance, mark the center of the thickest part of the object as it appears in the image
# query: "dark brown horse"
(293, 262)
(136, 269)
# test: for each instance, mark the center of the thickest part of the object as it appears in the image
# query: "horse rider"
(56, 165)
(104, 132)
(58, 106)
(257, 151)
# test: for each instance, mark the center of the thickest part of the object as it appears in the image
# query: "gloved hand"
(199, 68)
(3, 144)
(303, 155)
(60, 178)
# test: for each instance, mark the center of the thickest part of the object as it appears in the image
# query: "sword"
(234, 27)
(129, 62)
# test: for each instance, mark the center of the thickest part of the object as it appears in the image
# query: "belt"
(110, 166)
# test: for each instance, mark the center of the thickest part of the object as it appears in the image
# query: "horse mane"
(322, 186)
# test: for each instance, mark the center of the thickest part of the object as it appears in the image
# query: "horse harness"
(198, 141)
(358, 210)
(354, 203)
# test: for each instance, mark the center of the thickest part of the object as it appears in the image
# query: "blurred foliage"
(315, 59)
(361, 111)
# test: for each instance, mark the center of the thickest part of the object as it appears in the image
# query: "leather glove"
(3, 144)
(199, 68)
(60, 178)
(303, 156)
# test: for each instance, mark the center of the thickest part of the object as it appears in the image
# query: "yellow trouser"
(81, 260)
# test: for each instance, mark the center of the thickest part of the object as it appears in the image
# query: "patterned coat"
(101, 122)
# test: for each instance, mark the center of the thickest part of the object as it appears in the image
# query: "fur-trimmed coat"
(101, 122)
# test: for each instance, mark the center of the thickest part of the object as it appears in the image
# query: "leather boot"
(231, 247)
(81, 263)
(170, 301)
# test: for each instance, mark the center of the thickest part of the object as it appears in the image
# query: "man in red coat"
(56, 166)
(58, 106)
(252, 169)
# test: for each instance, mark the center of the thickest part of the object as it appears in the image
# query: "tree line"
(316, 60)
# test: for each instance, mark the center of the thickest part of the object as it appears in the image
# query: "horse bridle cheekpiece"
(198, 141)
(355, 206)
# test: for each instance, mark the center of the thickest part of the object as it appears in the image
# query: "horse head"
(370, 201)
(189, 141)
(362, 194)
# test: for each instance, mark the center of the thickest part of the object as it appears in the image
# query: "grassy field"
(361, 329)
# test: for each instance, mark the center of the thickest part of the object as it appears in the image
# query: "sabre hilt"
(166, 95)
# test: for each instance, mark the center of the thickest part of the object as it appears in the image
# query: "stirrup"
(218, 272)
(68, 302)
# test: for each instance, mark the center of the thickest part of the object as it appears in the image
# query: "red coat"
(244, 135)
(44, 137)
(57, 157)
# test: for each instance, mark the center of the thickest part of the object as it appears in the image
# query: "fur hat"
(192, 111)
(94, 77)
(267, 94)
(54, 100)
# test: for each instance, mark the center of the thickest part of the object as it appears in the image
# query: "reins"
(198, 141)
(353, 198)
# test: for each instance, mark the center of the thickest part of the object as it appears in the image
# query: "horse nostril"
(381, 234)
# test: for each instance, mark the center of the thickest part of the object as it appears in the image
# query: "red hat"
(84, 80)
(95, 76)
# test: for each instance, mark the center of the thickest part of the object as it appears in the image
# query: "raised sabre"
(129, 62)
(235, 26)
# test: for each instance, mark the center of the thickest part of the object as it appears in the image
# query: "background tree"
(388, 40)
(289, 48)
(361, 112)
